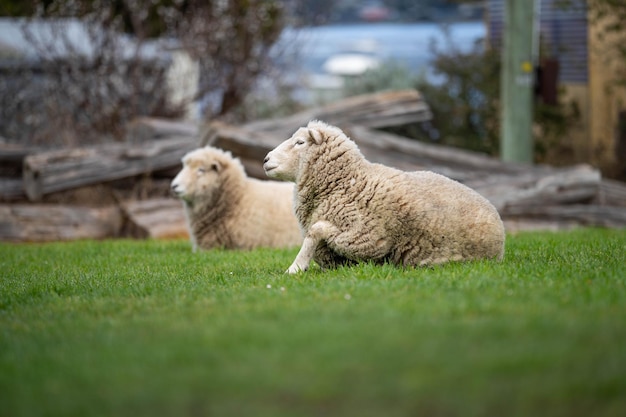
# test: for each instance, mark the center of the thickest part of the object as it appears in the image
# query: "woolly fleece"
(352, 210)
(225, 208)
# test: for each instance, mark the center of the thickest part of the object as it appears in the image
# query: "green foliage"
(147, 328)
(16, 7)
(465, 102)
(464, 98)
(609, 16)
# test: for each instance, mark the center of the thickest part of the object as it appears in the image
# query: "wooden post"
(517, 81)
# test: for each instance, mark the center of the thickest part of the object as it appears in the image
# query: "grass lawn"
(146, 328)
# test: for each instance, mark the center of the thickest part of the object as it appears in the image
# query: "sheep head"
(199, 178)
(286, 161)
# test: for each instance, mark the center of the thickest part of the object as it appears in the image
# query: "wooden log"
(383, 109)
(159, 218)
(578, 184)
(143, 129)
(462, 164)
(53, 171)
(241, 141)
(581, 214)
(249, 146)
(11, 189)
(611, 193)
(46, 223)
(516, 225)
(12, 158)
(11, 163)
(254, 140)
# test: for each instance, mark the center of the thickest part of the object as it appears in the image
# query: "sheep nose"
(267, 158)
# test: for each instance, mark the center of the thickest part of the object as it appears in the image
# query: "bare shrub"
(82, 80)
(93, 66)
(232, 41)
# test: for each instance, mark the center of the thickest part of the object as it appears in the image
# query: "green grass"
(146, 328)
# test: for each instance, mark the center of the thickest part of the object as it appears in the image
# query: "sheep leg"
(304, 257)
(318, 232)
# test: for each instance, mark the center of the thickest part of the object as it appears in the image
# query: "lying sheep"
(225, 208)
(353, 210)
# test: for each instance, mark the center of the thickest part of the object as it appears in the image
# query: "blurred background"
(77, 72)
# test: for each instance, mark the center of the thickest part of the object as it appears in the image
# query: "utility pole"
(517, 77)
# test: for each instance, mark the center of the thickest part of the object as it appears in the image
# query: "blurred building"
(578, 63)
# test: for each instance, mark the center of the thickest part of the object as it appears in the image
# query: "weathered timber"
(143, 129)
(376, 110)
(578, 184)
(11, 162)
(611, 193)
(11, 189)
(401, 152)
(247, 145)
(581, 214)
(516, 225)
(46, 223)
(12, 158)
(241, 141)
(53, 171)
(384, 109)
(159, 218)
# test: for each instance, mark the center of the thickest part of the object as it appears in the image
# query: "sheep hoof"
(295, 268)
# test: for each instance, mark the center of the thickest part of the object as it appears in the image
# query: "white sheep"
(224, 208)
(352, 210)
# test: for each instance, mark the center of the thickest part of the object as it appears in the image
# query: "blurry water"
(304, 50)
(407, 43)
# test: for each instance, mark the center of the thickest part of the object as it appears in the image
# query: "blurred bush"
(95, 65)
(463, 92)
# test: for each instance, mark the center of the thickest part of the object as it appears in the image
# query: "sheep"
(351, 210)
(226, 209)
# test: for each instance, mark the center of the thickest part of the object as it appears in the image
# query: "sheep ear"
(216, 166)
(316, 136)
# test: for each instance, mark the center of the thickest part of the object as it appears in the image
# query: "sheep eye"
(201, 170)
(300, 142)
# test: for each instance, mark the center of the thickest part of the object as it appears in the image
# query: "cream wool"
(353, 210)
(225, 208)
